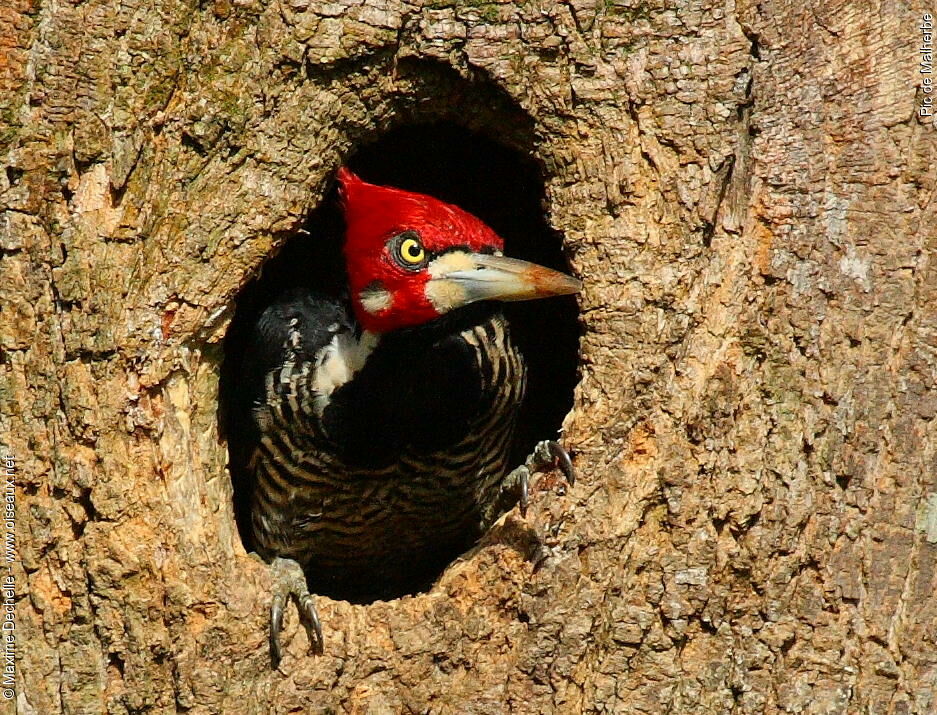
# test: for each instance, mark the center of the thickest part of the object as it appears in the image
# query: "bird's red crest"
(374, 215)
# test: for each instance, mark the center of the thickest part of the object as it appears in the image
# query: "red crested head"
(412, 258)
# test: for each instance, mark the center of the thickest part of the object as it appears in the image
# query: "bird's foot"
(290, 581)
(547, 454)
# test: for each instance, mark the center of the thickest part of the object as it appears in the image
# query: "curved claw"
(276, 625)
(515, 488)
(310, 620)
(524, 500)
(562, 458)
(289, 581)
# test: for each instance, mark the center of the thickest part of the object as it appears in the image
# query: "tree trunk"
(747, 190)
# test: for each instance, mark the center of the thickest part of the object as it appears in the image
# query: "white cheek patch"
(375, 300)
(337, 363)
(445, 294)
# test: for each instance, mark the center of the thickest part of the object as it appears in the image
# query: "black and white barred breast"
(376, 453)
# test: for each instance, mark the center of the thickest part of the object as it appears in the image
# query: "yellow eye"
(410, 251)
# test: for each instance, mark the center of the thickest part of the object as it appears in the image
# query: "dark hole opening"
(499, 185)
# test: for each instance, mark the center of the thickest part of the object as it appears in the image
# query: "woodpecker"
(382, 420)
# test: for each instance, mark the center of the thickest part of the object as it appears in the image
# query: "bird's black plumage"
(398, 467)
(373, 434)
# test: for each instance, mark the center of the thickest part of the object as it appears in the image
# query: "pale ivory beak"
(463, 278)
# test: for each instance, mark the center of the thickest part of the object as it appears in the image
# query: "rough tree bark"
(749, 194)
